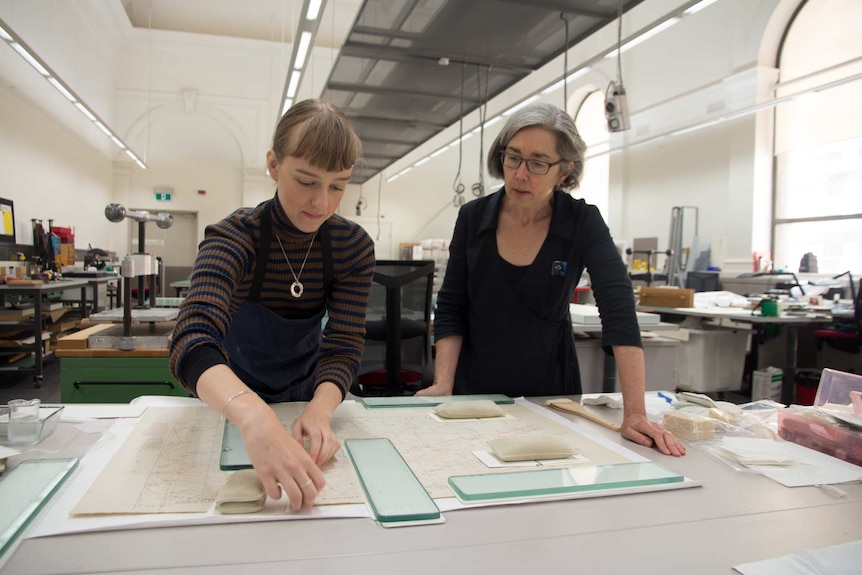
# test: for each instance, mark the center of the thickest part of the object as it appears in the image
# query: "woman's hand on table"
(436, 389)
(639, 429)
(314, 424)
(281, 460)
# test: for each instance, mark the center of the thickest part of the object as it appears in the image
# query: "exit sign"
(163, 196)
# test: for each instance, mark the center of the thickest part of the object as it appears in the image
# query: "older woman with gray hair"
(502, 323)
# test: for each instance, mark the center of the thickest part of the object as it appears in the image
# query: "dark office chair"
(703, 281)
(397, 358)
(844, 336)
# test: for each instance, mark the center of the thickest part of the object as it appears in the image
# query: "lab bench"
(35, 322)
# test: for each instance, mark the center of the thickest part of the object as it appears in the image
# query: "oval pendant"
(296, 289)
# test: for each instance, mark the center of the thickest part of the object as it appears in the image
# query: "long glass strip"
(562, 481)
(393, 491)
(233, 455)
(25, 490)
(431, 401)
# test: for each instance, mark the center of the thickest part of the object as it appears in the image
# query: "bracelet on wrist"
(231, 398)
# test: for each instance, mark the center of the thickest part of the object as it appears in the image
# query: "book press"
(140, 323)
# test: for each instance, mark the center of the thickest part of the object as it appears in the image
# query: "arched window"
(818, 139)
(591, 124)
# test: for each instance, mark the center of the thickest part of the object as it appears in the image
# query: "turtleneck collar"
(285, 227)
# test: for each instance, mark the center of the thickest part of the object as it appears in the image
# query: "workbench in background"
(38, 295)
(96, 375)
(732, 318)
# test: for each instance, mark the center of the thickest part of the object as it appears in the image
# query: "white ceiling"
(264, 29)
(268, 20)
(234, 53)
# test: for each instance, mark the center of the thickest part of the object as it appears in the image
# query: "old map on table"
(170, 463)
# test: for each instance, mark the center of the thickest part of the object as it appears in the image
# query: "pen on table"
(665, 397)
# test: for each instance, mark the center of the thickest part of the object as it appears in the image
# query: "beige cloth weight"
(243, 493)
(469, 409)
(530, 447)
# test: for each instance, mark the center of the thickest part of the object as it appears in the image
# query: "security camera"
(616, 108)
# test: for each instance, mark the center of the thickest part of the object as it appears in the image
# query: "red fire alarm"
(202, 192)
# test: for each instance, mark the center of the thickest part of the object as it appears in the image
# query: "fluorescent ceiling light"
(423, 161)
(294, 83)
(102, 127)
(573, 76)
(8, 35)
(440, 151)
(554, 87)
(578, 73)
(517, 107)
(313, 10)
(393, 178)
(85, 111)
(493, 121)
(287, 104)
(645, 36)
(62, 89)
(29, 57)
(302, 50)
(697, 127)
(699, 6)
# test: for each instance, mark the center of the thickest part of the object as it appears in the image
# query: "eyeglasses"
(536, 167)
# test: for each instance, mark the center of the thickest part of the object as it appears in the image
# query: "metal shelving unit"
(37, 324)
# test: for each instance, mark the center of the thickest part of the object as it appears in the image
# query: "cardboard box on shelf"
(66, 256)
(666, 297)
(409, 251)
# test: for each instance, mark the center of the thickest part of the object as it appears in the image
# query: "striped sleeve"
(223, 259)
(344, 335)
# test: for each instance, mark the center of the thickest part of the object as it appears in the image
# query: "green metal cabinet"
(115, 380)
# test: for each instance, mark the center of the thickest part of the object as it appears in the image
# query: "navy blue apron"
(275, 356)
(511, 349)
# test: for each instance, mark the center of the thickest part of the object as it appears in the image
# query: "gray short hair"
(570, 146)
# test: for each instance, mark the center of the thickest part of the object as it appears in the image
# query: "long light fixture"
(639, 39)
(305, 33)
(571, 77)
(746, 111)
(16, 43)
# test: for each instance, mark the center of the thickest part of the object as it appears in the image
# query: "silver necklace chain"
(296, 288)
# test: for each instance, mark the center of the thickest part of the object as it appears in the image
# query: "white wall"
(58, 169)
(49, 174)
(198, 110)
(212, 132)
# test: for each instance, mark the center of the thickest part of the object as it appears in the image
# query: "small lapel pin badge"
(558, 268)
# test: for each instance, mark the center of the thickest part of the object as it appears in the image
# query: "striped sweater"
(221, 281)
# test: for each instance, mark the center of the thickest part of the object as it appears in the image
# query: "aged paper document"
(170, 463)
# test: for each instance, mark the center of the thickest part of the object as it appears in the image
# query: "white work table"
(660, 365)
(791, 323)
(733, 518)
